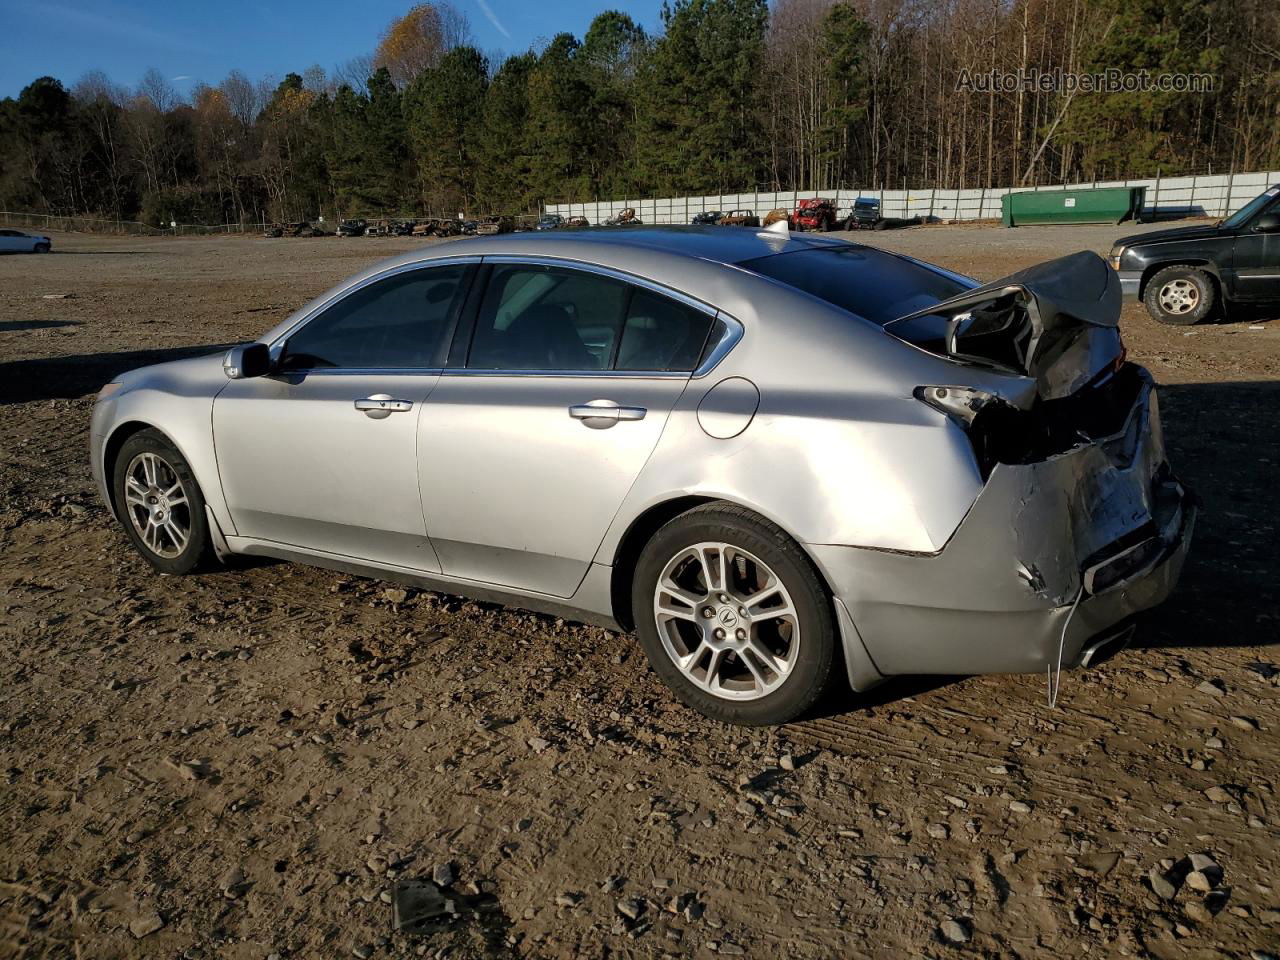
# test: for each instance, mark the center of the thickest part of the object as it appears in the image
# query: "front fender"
(177, 400)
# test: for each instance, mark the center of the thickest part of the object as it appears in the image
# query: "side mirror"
(1268, 223)
(247, 360)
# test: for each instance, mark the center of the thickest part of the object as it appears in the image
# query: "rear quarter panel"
(839, 450)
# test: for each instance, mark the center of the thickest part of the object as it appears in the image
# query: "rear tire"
(1180, 295)
(160, 504)
(733, 617)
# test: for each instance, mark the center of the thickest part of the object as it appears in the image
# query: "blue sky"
(204, 40)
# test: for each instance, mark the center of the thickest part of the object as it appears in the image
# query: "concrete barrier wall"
(1166, 198)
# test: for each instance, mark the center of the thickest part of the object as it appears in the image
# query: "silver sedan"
(780, 459)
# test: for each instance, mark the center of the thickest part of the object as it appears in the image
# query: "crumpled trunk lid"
(1057, 322)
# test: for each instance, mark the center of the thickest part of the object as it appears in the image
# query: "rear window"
(874, 285)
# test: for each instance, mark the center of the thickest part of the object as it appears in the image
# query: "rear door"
(322, 454)
(553, 402)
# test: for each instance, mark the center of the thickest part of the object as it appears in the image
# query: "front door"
(1257, 262)
(322, 453)
(527, 449)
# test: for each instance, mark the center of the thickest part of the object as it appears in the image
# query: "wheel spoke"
(758, 651)
(748, 657)
(712, 558)
(757, 610)
(712, 680)
(671, 588)
(176, 534)
(689, 661)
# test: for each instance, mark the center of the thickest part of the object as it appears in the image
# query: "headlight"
(108, 390)
(1114, 258)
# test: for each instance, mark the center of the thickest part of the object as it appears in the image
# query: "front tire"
(160, 504)
(1180, 296)
(42, 248)
(733, 617)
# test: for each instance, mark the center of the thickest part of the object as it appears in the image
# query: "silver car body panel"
(360, 496)
(801, 413)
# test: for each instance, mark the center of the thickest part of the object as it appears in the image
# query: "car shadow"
(1245, 313)
(63, 378)
(1223, 441)
(13, 326)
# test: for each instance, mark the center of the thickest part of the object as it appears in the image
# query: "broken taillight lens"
(989, 422)
(959, 403)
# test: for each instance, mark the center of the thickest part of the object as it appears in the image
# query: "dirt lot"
(240, 764)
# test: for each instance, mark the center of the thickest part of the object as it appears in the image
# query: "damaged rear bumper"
(1104, 523)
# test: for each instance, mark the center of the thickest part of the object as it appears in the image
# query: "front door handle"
(602, 414)
(382, 405)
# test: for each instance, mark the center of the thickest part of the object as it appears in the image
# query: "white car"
(15, 241)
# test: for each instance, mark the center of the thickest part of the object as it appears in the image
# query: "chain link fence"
(41, 221)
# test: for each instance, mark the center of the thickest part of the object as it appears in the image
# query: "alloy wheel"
(726, 621)
(157, 504)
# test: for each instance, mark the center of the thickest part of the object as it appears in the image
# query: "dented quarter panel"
(996, 598)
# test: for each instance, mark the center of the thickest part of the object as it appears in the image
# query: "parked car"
(816, 213)
(494, 225)
(578, 222)
(625, 218)
(706, 217)
(352, 228)
(740, 218)
(865, 215)
(1184, 274)
(15, 241)
(769, 455)
(549, 221)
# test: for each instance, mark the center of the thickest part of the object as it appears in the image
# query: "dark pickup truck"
(1181, 275)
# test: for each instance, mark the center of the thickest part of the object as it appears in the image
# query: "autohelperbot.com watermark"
(1057, 80)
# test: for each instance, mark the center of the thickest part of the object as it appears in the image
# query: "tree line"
(729, 95)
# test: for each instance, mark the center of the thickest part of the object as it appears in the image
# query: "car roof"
(727, 245)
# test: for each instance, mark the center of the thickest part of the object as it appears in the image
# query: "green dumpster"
(1097, 205)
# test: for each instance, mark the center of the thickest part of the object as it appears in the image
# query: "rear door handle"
(382, 405)
(602, 414)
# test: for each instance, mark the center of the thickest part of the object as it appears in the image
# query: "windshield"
(1245, 213)
(866, 204)
(868, 283)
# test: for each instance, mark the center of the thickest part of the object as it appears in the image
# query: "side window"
(662, 334)
(402, 322)
(548, 318)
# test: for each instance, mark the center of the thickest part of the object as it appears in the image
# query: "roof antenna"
(779, 226)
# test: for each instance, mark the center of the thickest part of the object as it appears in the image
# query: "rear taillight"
(959, 403)
(992, 425)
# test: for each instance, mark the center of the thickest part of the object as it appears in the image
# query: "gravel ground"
(242, 764)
